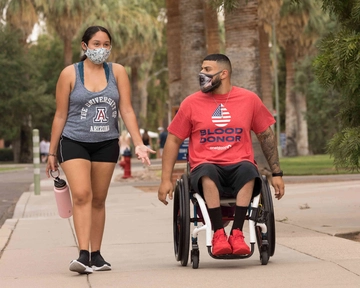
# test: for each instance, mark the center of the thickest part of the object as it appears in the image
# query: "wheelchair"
(260, 217)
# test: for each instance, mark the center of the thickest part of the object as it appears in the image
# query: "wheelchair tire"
(264, 257)
(181, 220)
(195, 258)
(267, 204)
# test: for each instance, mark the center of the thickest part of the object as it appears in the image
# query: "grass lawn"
(300, 165)
(310, 165)
(3, 169)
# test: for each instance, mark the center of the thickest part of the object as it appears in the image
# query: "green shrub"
(6, 154)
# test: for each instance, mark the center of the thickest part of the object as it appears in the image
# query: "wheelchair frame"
(260, 217)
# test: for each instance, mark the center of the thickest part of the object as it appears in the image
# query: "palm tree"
(297, 30)
(136, 35)
(65, 18)
(173, 30)
(193, 45)
(20, 15)
(242, 44)
(211, 28)
(268, 13)
(242, 47)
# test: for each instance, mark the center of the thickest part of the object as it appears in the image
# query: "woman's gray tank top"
(93, 116)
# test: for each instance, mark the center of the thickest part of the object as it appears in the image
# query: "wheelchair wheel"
(181, 220)
(266, 211)
(195, 258)
(264, 257)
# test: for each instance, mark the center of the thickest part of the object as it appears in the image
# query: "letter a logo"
(100, 116)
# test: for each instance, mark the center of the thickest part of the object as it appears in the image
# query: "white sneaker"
(77, 266)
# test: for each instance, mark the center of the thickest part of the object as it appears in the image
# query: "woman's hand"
(52, 164)
(142, 153)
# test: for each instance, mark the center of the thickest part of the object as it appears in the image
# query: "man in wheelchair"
(218, 121)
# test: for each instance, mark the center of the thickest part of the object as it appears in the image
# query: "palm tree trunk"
(242, 47)
(290, 102)
(193, 44)
(135, 94)
(143, 85)
(67, 51)
(266, 83)
(302, 142)
(212, 29)
(173, 30)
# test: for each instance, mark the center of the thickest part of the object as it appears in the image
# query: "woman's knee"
(81, 198)
(98, 201)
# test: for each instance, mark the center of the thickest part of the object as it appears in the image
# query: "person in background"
(85, 139)
(44, 150)
(146, 138)
(162, 139)
(218, 121)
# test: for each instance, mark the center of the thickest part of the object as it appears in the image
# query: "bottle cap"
(59, 183)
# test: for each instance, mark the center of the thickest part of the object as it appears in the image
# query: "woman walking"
(84, 139)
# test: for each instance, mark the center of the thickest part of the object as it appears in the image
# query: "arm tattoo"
(269, 147)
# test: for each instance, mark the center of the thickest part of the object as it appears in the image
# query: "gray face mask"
(208, 83)
(97, 56)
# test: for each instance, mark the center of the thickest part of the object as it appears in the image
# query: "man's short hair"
(221, 58)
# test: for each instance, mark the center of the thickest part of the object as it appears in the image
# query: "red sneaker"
(238, 244)
(220, 244)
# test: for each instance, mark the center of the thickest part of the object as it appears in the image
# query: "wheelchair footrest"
(231, 256)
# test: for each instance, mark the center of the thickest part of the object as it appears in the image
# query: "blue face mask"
(208, 83)
(97, 56)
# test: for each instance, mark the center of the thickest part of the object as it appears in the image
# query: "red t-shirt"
(219, 129)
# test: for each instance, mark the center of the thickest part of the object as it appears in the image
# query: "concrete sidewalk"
(37, 245)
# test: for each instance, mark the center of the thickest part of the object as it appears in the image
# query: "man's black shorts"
(228, 179)
(105, 151)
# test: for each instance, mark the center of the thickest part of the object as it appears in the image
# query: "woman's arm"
(64, 86)
(127, 112)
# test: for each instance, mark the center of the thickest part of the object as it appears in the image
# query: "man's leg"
(220, 245)
(243, 199)
(236, 238)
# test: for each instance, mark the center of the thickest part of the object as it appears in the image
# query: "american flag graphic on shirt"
(221, 117)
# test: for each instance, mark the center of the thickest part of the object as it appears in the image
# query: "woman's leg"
(77, 173)
(101, 174)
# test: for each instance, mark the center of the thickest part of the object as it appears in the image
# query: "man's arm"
(171, 150)
(268, 144)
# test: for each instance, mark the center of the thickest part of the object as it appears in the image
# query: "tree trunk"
(143, 85)
(16, 147)
(302, 141)
(26, 154)
(173, 30)
(212, 29)
(290, 103)
(135, 94)
(68, 55)
(242, 45)
(242, 23)
(265, 69)
(193, 45)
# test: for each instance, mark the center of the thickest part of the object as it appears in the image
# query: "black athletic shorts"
(105, 151)
(228, 179)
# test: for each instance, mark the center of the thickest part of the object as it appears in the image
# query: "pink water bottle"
(62, 196)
